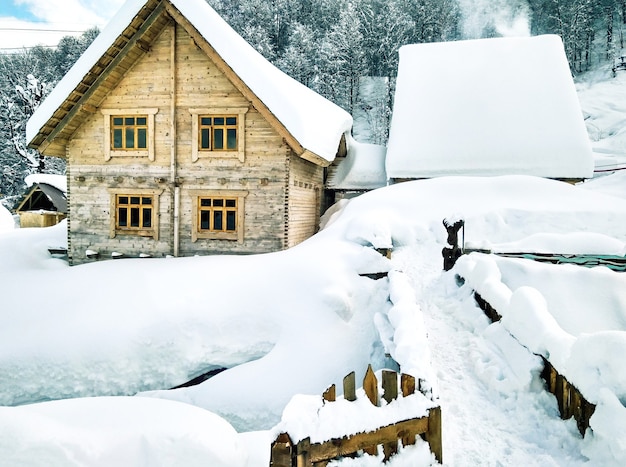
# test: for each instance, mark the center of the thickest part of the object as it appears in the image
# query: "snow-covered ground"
(306, 319)
(88, 354)
(603, 100)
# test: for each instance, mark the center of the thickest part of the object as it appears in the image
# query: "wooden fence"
(454, 251)
(569, 399)
(613, 262)
(285, 453)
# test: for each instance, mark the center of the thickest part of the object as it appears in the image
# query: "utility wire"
(41, 30)
(29, 47)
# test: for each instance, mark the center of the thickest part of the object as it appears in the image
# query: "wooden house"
(501, 106)
(181, 139)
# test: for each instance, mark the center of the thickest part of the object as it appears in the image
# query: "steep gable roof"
(43, 196)
(487, 107)
(311, 124)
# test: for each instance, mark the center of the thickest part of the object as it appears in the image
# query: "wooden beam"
(351, 444)
(92, 109)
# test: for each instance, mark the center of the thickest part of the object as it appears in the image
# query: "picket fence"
(286, 453)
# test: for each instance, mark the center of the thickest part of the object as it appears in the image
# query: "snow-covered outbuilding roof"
(362, 169)
(312, 125)
(487, 107)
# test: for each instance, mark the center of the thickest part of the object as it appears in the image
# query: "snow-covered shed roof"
(487, 107)
(363, 168)
(311, 124)
(44, 196)
(56, 180)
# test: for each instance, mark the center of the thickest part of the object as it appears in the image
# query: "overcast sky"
(25, 23)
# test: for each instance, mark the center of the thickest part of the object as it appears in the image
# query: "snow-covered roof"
(487, 107)
(55, 180)
(363, 168)
(316, 123)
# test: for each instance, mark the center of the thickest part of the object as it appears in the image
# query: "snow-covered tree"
(300, 57)
(25, 79)
(385, 27)
(342, 60)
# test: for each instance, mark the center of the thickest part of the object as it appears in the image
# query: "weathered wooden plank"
(362, 441)
(370, 385)
(303, 454)
(433, 434)
(281, 451)
(390, 385)
(389, 449)
(561, 395)
(349, 387)
(407, 383)
(330, 395)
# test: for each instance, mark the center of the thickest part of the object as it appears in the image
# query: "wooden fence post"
(390, 385)
(407, 383)
(303, 458)
(282, 452)
(330, 395)
(349, 387)
(433, 435)
(370, 385)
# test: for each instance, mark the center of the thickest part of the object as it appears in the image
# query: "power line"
(40, 30)
(29, 47)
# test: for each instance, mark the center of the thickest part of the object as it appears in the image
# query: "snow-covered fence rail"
(303, 453)
(570, 401)
(616, 263)
(453, 252)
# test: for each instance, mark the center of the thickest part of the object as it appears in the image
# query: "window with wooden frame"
(129, 133)
(218, 215)
(135, 212)
(218, 132)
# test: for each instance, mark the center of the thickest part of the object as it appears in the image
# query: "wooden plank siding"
(305, 193)
(281, 187)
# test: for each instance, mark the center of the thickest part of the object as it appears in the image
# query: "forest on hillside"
(329, 45)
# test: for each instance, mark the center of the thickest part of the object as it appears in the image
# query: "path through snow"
(494, 406)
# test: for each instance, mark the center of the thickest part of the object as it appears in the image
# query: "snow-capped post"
(453, 252)
(330, 395)
(282, 449)
(407, 383)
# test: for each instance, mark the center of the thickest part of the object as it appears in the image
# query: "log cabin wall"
(259, 175)
(306, 182)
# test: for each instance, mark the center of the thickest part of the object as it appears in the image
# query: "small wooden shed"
(43, 206)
